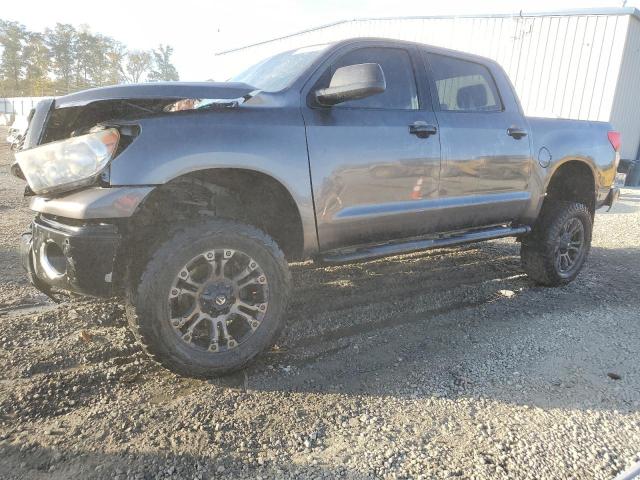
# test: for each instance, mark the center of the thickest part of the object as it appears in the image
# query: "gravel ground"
(448, 363)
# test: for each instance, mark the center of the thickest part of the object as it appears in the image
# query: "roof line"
(581, 11)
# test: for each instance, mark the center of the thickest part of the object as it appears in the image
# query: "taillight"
(614, 139)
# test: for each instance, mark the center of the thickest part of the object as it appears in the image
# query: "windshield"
(279, 71)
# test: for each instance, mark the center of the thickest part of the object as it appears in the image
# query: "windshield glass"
(279, 71)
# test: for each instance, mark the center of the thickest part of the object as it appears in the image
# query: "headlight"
(68, 163)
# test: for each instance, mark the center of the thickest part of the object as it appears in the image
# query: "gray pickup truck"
(188, 200)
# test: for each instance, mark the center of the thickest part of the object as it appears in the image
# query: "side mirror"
(352, 82)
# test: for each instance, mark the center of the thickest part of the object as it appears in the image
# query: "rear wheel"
(211, 298)
(557, 248)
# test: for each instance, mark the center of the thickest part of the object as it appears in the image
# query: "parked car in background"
(17, 131)
(189, 200)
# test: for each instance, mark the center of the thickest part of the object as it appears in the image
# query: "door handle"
(422, 129)
(516, 132)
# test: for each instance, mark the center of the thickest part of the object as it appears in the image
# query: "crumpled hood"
(140, 91)
(57, 118)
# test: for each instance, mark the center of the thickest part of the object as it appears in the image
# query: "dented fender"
(267, 139)
(93, 203)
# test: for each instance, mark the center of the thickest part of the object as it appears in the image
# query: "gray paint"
(569, 140)
(37, 123)
(93, 203)
(267, 135)
(360, 168)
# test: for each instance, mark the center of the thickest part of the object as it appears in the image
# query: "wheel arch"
(572, 179)
(241, 194)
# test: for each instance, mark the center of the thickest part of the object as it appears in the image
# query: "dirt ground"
(448, 363)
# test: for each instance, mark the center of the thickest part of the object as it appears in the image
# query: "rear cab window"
(463, 86)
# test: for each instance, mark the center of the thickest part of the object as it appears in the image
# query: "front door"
(374, 162)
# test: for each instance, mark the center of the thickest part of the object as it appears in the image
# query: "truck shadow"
(460, 323)
(439, 324)
(60, 463)
(429, 327)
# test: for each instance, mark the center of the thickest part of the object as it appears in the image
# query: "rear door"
(486, 158)
(371, 171)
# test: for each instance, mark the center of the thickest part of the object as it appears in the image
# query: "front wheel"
(557, 248)
(211, 298)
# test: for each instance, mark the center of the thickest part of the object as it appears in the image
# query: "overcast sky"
(197, 30)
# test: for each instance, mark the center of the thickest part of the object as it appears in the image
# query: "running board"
(387, 249)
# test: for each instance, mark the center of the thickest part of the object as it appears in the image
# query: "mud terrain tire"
(542, 250)
(149, 310)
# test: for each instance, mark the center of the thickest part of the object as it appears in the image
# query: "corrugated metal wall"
(625, 114)
(562, 65)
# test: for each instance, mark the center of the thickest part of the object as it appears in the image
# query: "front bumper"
(78, 258)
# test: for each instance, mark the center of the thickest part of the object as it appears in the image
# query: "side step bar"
(384, 250)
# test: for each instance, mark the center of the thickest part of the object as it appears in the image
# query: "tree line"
(64, 59)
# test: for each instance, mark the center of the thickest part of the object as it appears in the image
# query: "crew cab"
(188, 200)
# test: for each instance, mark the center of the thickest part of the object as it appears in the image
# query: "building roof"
(560, 13)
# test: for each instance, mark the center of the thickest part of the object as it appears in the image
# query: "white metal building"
(582, 64)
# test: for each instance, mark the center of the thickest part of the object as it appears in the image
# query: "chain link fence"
(10, 108)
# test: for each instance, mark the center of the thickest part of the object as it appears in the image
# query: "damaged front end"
(70, 143)
(75, 114)
(60, 255)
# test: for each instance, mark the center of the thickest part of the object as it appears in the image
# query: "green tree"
(114, 57)
(64, 59)
(93, 63)
(12, 36)
(86, 56)
(163, 69)
(62, 44)
(136, 66)
(37, 64)
(99, 67)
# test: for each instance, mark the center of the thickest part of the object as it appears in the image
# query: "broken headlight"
(69, 163)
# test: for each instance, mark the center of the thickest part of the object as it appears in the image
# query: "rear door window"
(463, 86)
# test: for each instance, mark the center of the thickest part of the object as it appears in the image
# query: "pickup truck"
(188, 200)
